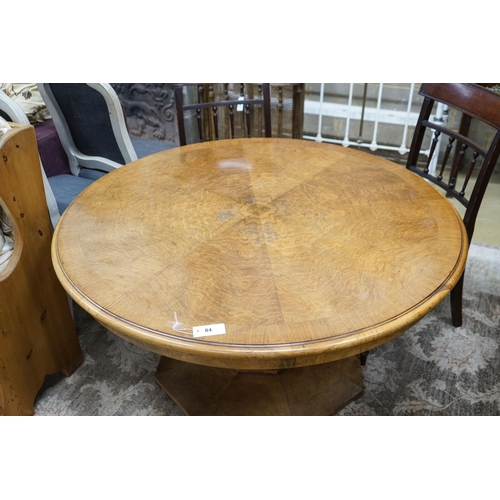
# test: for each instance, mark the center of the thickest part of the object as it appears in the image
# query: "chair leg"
(363, 357)
(456, 302)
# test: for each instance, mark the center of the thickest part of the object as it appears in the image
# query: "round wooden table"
(308, 254)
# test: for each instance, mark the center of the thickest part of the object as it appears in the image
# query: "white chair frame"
(76, 158)
(9, 106)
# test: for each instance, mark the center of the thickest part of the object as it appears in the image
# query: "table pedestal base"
(312, 390)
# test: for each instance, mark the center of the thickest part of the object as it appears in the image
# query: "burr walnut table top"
(307, 252)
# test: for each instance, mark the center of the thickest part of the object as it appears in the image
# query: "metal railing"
(401, 118)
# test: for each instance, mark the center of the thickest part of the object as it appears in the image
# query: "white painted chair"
(91, 125)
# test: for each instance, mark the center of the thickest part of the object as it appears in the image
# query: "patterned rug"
(432, 369)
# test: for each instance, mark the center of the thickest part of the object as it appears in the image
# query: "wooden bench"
(37, 332)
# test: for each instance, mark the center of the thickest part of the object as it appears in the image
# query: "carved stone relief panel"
(149, 109)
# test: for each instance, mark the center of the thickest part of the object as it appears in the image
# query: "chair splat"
(216, 119)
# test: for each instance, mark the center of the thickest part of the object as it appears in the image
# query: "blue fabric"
(146, 147)
(91, 173)
(87, 115)
(4, 115)
(66, 188)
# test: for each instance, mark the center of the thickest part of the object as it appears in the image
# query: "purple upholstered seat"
(54, 159)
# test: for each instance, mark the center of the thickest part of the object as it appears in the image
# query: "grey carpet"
(432, 369)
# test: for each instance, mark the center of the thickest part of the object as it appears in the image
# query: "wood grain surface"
(307, 252)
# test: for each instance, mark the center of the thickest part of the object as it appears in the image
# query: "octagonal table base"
(312, 390)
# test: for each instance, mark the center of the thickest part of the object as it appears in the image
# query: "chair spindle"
(215, 123)
(200, 124)
(457, 166)
(280, 111)
(435, 140)
(231, 119)
(247, 119)
(472, 164)
(449, 147)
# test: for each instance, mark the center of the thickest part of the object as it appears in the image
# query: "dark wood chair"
(474, 162)
(242, 112)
